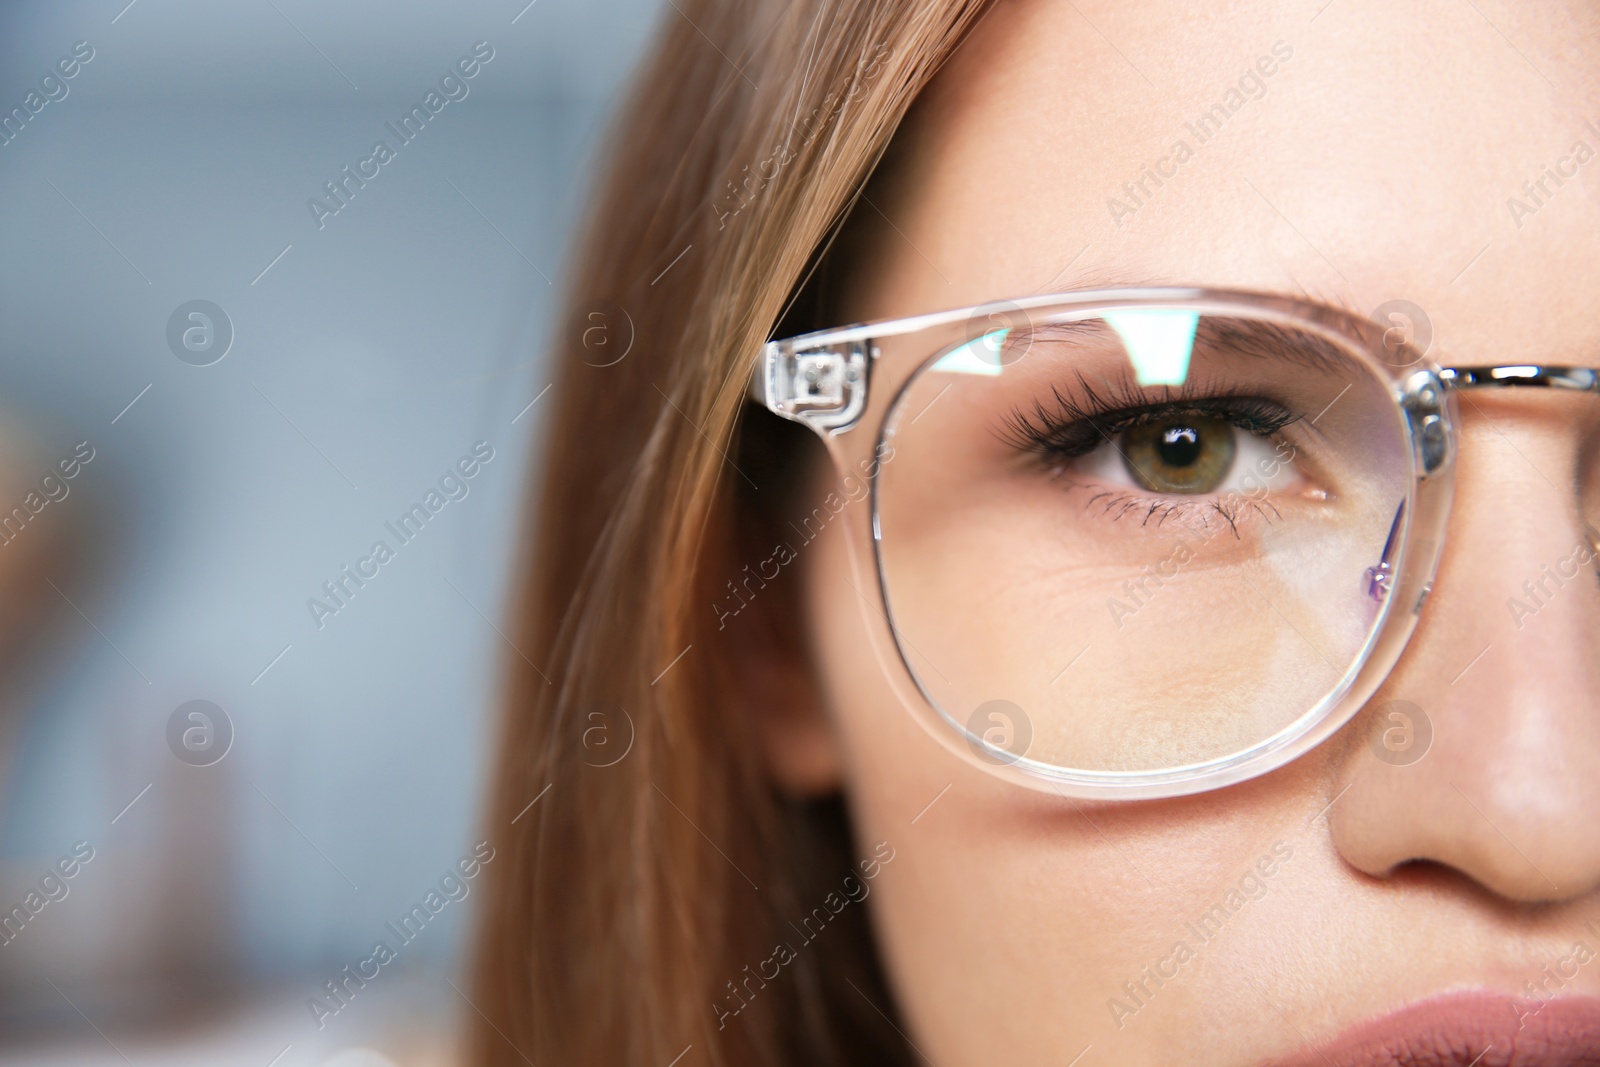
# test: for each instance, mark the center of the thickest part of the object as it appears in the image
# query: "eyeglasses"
(1136, 543)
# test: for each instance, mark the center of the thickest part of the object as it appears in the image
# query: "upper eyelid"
(1211, 404)
(1047, 432)
(1109, 424)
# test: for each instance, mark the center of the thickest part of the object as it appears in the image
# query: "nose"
(1502, 672)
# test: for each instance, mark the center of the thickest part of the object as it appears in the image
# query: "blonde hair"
(623, 903)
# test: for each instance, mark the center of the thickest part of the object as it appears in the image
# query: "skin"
(1376, 167)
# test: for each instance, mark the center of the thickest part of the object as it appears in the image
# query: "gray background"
(366, 361)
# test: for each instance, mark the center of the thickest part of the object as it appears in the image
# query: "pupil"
(1180, 446)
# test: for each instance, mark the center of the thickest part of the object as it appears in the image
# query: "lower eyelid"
(1202, 512)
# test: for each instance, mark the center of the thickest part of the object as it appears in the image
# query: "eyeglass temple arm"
(1582, 379)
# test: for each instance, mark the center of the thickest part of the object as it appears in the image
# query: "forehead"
(1359, 152)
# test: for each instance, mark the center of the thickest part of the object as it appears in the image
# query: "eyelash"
(1074, 426)
(1069, 427)
(1122, 503)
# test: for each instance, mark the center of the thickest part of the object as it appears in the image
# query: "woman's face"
(1383, 157)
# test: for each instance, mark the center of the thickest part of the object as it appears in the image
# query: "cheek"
(1009, 919)
(987, 910)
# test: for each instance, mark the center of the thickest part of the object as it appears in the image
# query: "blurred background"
(241, 745)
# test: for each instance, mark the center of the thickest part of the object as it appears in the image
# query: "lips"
(1468, 1030)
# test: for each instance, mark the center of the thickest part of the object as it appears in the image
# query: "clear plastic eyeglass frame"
(851, 386)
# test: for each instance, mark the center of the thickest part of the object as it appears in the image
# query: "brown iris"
(1180, 453)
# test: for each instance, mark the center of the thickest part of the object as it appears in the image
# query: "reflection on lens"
(1203, 543)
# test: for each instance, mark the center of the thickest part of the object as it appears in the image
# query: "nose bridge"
(1502, 670)
(1569, 561)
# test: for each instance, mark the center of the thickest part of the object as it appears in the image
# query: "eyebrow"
(1265, 339)
(1254, 338)
(1106, 277)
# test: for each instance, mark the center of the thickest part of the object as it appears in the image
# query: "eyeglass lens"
(1138, 539)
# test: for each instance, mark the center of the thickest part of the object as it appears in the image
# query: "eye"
(1180, 454)
(1186, 453)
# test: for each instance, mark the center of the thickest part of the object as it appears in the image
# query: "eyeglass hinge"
(824, 386)
(1432, 437)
